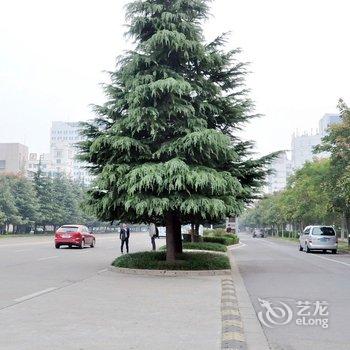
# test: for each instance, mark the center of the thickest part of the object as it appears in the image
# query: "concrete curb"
(205, 251)
(253, 331)
(169, 273)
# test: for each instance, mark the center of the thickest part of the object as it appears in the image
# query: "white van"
(318, 238)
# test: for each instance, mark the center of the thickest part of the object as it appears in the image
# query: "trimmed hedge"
(216, 247)
(186, 261)
(225, 240)
(217, 232)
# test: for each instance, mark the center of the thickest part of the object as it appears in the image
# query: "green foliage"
(337, 143)
(43, 201)
(166, 141)
(225, 240)
(10, 213)
(217, 232)
(187, 261)
(306, 200)
(217, 247)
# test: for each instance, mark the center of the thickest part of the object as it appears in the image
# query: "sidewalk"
(120, 312)
(107, 310)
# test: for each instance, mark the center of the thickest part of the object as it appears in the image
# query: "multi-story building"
(281, 168)
(303, 145)
(64, 138)
(302, 148)
(40, 160)
(13, 158)
(301, 152)
(328, 120)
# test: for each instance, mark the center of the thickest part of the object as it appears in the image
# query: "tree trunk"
(173, 237)
(192, 233)
(347, 225)
(196, 233)
(178, 236)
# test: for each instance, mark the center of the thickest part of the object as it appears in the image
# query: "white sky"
(53, 53)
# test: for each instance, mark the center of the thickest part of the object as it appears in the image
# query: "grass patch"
(186, 261)
(343, 247)
(216, 247)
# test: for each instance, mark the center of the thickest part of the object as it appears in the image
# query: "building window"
(2, 164)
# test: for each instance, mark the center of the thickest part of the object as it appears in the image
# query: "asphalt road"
(66, 299)
(275, 271)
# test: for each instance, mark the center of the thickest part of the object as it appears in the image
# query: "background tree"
(307, 200)
(337, 143)
(164, 146)
(8, 204)
(26, 202)
(47, 206)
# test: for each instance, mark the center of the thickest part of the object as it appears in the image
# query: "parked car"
(258, 233)
(74, 235)
(318, 238)
(38, 229)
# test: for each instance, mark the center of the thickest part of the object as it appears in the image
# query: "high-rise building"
(13, 158)
(301, 152)
(328, 120)
(302, 148)
(303, 145)
(64, 138)
(280, 168)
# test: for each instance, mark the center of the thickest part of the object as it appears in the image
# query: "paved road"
(66, 300)
(276, 271)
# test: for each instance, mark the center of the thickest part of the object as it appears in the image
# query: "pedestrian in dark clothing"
(153, 233)
(229, 229)
(124, 237)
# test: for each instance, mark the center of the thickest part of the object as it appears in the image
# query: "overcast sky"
(53, 54)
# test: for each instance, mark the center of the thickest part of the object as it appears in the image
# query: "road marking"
(21, 250)
(19, 244)
(83, 252)
(102, 271)
(336, 261)
(267, 242)
(47, 258)
(237, 246)
(316, 256)
(31, 296)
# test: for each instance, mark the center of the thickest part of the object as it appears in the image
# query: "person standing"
(153, 234)
(124, 238)
(229, 229)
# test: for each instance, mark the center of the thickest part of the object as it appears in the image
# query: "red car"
(74, 235)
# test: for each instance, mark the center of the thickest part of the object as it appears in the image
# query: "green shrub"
(186, 261)
(186, 237)
(217, 232)
(226, 240)
(219, 240)
(217, 247)
(205, 246)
